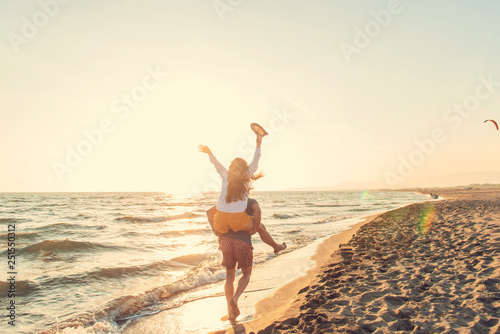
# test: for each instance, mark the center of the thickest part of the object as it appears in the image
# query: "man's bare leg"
(229, 292)
(242, 284)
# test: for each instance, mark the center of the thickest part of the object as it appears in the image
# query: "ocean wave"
(293, 231)
(129, 306)
(24, 235)
(81, 215)
(330, 219)
(19, 200)
(284, 216)
(11, 220)
(45, 205)
(362, 209)
(184, 262)
(160, 219)
(207, 273)
(23, 287)
(171, 234)
(302, 239)
(63, 245)
(69, 226)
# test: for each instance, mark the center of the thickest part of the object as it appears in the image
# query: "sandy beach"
(426, 268)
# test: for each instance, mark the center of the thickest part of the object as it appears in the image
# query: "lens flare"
(364, 195)
(426, 218)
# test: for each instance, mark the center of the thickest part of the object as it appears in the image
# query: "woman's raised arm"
(218, 166)
(252, 168)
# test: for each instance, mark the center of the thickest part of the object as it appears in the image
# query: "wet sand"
(426, 268)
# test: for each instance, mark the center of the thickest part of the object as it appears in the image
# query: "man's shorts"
(236, 251)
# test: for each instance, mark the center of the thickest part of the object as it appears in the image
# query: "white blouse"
(238, 206)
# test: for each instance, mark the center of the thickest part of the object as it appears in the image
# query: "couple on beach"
(235, 218)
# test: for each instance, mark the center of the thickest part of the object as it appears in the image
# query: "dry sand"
(427, 268)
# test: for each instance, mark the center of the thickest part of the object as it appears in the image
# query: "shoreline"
(426, 267)
(273, 286)
(264, 283)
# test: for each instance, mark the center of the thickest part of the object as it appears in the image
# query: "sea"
(96, 261)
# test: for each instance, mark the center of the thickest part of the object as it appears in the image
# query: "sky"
(116, 95)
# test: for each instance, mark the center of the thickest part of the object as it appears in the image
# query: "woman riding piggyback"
(236, 184)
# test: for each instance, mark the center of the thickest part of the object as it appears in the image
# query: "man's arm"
(257, 217)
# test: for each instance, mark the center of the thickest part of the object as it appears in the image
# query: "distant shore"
(428, 267)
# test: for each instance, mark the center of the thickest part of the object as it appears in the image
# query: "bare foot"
(235, 308)
(230, 313)
(279, 248)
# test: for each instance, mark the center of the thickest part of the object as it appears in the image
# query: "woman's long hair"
(239, 180)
